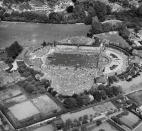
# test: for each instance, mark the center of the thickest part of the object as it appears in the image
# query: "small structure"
(101, 79)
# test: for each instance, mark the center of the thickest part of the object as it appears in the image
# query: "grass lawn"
(130, 120)
(45, 104)
(105, 125)
(15, 100)
(136, 96)
(24, 110)
(139, 127)
(5, 94)
(45, 128)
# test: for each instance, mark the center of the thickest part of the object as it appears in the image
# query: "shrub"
(55, 17)
(70, 103)
(69, 9)
(14, 50)
(101, 9)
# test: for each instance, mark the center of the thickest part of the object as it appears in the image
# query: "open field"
(136, 96)
(33, 33)
(139, 127)
(105, 125)
(22, 110)
(129, 119)
(45, 104)
(9, 93)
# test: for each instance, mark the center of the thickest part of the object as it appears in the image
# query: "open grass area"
(139, 127)
(136, 96)
(9, 93)
(45, 128)
(23, 110)
(105, 125)
(129, 119)
(45, 104)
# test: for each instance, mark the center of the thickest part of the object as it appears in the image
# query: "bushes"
(32, 86)
(26, 16)
(26, 71)
(99, 93)
(70, 103)
(88, 20)
(69, 9)
(91, 11)
(96, 26)
(55, 17)
(14, 50)
(101, 10)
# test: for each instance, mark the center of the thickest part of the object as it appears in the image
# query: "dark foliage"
(69, 9)
(70, 103)
(55, 17)
(74, 1)
(101, 9)
(14, 50)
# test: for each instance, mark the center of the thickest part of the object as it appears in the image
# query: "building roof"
(101, 79)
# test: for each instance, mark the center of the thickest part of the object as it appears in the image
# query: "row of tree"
(80, 122)
(93, 8)
(99, 94)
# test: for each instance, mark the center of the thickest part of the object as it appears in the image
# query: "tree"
(116, 90)
(79, 12)
(44, 44)
(125, 3)
(14, 50)
(96, 26)
(54, 93)
(109, 91)
(101, 87)
(74, 1)
(101, 9)
(70, 103)
(98, 122)
(85, 119)
(139, 11)
(29, 88)
(69, 9)
(76, 129)
(68, 124)
(88, 20)
(46, 83)
(50, 90)
(91, 11)
(83, 128)
(101, 129)
(103, 94)
(55, 17)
